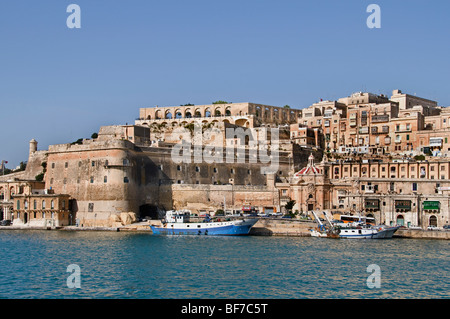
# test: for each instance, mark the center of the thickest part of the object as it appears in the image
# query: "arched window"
(433, 221)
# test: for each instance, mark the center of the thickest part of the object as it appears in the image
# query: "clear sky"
(59, 84)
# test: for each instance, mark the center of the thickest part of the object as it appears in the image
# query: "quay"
(264, 227)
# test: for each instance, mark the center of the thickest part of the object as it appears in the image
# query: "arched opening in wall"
(2, 193)
(149, 117)
(217, 112)
(197, 113)
(226, 121)
(158, 114)
(258, 111)
(400, 220)
(228, 111)
(187, 114)
(12, 192)
(433, 221)
(266, 112)
(208, 112)
(168, 115)
(178, 114)
(148, 211)
(241, 122)
(276, 114)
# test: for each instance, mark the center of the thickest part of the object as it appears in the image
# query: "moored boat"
(371, 232)
(178, 223)
(356, 229)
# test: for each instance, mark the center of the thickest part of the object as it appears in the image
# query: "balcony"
(378, 130)
(380, 118)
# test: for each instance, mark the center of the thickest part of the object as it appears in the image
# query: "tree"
(221, 102)
(79, 141)
(287, 106)
(289, 205)
(40, 177)
(94, 135)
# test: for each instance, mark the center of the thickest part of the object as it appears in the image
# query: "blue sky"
(59, 84)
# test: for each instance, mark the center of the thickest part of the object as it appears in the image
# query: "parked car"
(5, 222)
(432, 228)
(446, 227)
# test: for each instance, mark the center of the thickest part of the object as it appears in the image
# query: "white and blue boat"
(367, 232)
(178, 223)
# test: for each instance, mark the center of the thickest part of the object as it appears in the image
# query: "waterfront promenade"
(264, 227)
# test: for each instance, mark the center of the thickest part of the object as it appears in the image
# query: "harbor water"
(36, 264)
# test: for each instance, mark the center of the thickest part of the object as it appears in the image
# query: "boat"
(368, 232)
(178, 223)
(355, 230)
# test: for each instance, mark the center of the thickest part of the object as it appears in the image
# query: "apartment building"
(365, 123)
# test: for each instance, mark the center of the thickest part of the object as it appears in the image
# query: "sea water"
(37, 264)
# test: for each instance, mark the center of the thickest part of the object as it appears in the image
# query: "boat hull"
(231, 228)
(370, 233)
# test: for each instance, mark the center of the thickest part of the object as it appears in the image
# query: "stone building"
(135, 169)
(240, 114)
(25, 201)
(399, 192)
(365, 123)
(42, 209)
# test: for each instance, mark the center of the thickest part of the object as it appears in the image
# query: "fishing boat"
(355, 230)
(178, 223)
(367, 232)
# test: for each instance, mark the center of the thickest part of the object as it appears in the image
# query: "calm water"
(136, 265)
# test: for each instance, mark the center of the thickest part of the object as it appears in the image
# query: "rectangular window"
(414, 187)
(92, 179)
(125, 179)
(105, 179)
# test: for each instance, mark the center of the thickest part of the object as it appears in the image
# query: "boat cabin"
(173, 216)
